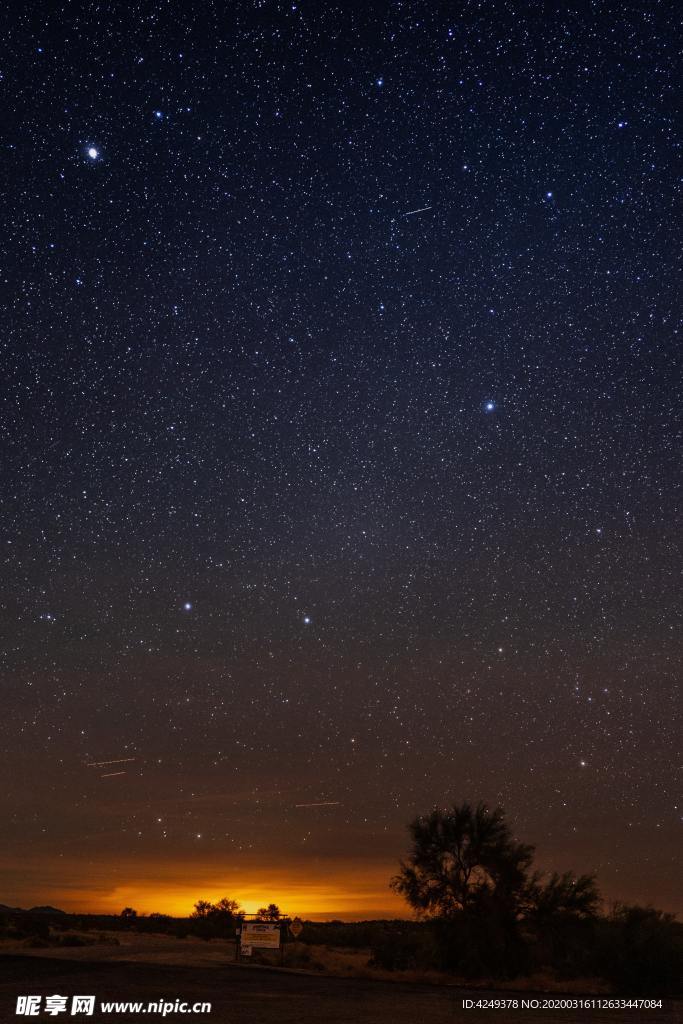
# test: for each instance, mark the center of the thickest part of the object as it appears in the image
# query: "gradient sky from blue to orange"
(340, 420)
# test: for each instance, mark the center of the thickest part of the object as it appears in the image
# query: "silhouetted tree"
(489, 912)
(563, 895)
(228, 907)
(128, 914)
(224, 908)
(462, 858)
(269, 913)
(214, 919)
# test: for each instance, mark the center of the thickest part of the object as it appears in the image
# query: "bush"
(23, 926)
(352, 934)
(642, 951)
(566, 944)
(75, 940)
(477, 945)
(405, 950)
(299, 955)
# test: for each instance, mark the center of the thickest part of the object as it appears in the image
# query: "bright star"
(187, 606)
(307, 620)
(93, 153)
(490, 406)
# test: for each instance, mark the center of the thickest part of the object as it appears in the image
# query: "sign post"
(256, 933)
(264, 934)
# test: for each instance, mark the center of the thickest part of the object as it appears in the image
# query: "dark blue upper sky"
(340, 423)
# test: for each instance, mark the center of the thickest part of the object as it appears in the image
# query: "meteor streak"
(321, 803)
(422, 209)
(101, 764)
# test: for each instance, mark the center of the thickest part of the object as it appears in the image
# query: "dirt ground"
(256, 995)
(137, 947)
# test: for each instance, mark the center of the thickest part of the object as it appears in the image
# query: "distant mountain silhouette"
(4, 909)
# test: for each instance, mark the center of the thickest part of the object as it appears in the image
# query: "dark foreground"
(249, 995)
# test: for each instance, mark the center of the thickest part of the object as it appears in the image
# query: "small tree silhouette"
(269, 913)
(215, 919)
(565, 895)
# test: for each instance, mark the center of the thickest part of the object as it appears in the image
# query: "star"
(243, 360)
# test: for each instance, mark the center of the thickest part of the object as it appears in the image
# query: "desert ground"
(152, 968)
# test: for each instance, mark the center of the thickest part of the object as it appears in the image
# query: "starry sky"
(340, 444)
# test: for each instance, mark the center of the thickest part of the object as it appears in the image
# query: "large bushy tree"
(467, 858)
(461, 857)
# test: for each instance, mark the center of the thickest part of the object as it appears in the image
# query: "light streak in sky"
(101, 764)
(321, 803)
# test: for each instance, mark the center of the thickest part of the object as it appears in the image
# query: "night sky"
(340, 444)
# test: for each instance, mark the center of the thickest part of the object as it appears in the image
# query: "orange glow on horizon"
(322, 891)
(305, 900)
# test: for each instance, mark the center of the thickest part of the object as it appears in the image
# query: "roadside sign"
(260, 933)
(296, 927)
(245, 950)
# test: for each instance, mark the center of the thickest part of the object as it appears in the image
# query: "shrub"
(75, 940)
(405, 950)
(642, 951)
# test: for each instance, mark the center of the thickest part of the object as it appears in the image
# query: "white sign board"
(260, 933)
